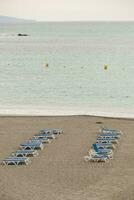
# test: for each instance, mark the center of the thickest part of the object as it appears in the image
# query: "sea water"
(75, 81)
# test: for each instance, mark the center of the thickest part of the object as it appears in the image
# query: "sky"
(69, 10)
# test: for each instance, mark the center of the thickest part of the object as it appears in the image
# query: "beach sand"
(59, 172)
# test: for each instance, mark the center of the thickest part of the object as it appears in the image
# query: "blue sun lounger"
(97, 149)
(105, 152)
(42, 139)
(46, 131)
(25, 153)
(107, 140)
(108, 135)
(42, 135)
(52, 131)
(31, 145)
(57, 131)
(13, 160)
(96, 158)
(105, 146)
(99, 153)
(110, 130)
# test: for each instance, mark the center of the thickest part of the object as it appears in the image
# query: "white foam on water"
(55, 110)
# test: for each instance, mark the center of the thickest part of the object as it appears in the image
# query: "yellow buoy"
(105, 67)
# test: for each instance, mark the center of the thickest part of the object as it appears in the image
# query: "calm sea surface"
(75, 81)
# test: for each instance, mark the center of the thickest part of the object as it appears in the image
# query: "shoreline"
(68, 111)
(73, 115)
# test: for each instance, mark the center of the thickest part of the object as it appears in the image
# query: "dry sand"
(59, 172)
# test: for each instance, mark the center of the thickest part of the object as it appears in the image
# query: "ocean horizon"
(58, 69)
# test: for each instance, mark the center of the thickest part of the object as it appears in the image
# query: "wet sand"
(59, 172)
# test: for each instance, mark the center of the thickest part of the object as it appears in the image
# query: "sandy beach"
(59, 172)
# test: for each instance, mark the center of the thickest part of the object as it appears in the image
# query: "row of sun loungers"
(30, 147)
(102, 150)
